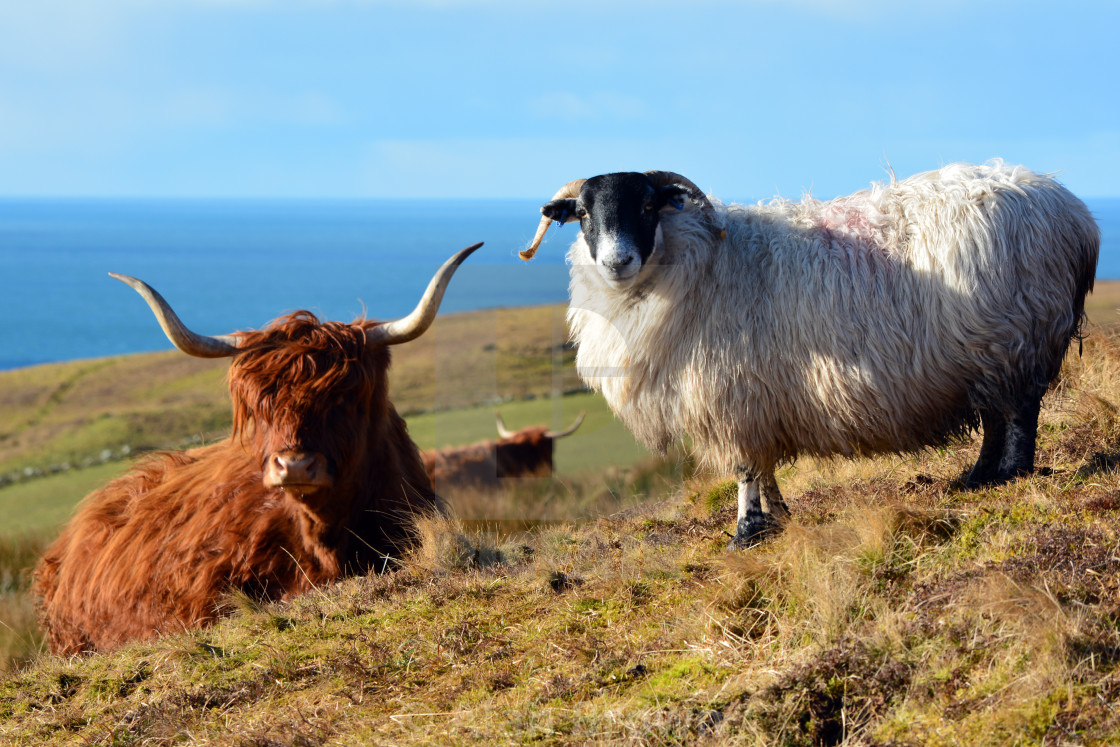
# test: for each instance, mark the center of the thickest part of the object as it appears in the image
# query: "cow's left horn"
(503, 432)
(569, 431)
(416, 323)
(181, 337)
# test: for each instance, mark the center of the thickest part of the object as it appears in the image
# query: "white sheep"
(893, 319)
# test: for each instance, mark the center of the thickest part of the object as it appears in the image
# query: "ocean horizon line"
(238, 264)
(540, 199)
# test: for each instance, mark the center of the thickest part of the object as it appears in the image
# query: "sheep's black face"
(619, 217)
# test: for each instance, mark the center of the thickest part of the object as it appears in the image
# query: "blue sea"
(226, 265)
(237, 264)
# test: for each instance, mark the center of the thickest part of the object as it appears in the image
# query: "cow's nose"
(292, 468)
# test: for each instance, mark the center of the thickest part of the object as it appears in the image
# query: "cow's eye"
(648, 207)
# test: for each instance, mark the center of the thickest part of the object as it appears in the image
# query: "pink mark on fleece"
(854, 230)
(853, 219)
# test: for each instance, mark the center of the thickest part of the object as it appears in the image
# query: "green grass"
(44, 505)
(895, 608)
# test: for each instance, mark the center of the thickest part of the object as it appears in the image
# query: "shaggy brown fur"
(527, 453)
(159, 548)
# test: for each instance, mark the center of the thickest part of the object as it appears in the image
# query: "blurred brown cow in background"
(319, 479)
(524, 453)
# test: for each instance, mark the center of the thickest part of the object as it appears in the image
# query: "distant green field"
(44, 504)
(602, 441)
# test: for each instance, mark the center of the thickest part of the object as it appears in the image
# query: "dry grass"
(898, 608)
(572, 497)
(20, 641)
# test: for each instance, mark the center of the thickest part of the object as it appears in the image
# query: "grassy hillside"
(897, 608)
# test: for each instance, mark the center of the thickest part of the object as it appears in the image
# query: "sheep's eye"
(648, 207)
(581, 213)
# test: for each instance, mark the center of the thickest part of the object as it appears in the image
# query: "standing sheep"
(886, 321)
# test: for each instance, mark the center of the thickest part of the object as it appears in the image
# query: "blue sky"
(322, 98)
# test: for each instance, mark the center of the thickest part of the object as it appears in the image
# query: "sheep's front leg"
(762, 512)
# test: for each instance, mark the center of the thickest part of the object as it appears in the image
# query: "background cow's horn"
(665, 178)
(416, 323)
(181, 337)
(567, 192)
(503, 432)
(570, 430)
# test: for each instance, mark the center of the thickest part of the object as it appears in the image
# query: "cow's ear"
(561, 211)
(672, 194)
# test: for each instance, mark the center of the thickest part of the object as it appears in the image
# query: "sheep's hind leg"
(1008, 448)
(1019, 443)
(986, 469)
(762, 512)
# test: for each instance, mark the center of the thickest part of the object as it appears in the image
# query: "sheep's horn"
(415, 324)
(181, 337)
(503, 432)
(665, 178)
(568, 191)
(570, 430)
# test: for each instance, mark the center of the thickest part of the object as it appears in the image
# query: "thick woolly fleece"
(884, 321)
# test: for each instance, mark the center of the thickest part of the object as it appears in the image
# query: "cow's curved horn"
(181, 337)
(415, 324)
(665, 178)
(570, 430)
(503, 432)
(567, 192)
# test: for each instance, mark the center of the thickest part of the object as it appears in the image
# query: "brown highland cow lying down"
(319, 479)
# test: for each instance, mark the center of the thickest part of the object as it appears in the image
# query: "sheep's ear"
(561, 211)
(672, 194)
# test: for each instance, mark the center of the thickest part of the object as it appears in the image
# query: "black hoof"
(988, 479)
(748, 533)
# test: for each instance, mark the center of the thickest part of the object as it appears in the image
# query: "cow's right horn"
(567, 192)
(569, 430)
(181, 337)
(415, 324)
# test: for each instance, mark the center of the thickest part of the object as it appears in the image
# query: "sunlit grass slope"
(897, 608)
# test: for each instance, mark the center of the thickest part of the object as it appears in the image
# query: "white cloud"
(504, 167)
(313, 108)
(572, 106)
(195, 108)
(95, 120)
(220, 108)
(62, 35)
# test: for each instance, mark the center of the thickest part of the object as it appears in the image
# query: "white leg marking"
(748, 493)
